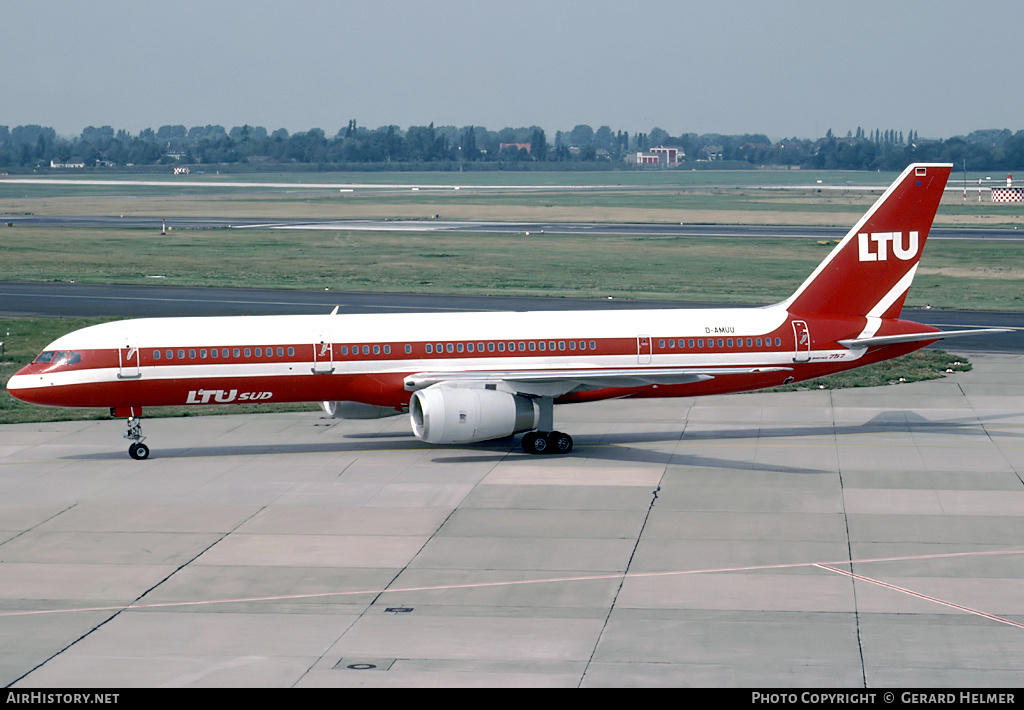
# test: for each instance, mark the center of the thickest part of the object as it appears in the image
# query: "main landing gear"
(545, 440)
(137, 450)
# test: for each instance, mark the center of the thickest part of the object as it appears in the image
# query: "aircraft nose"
(22, 382)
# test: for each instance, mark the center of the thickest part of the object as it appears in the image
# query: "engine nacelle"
(358, 410)
(456, 415)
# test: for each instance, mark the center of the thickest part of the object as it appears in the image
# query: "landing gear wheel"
(547, 442)
(138, 451)
(559, 442)
(535, 443)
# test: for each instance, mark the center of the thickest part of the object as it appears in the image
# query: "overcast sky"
(783, 68)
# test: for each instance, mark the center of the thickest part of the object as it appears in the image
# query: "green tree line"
(451, 147)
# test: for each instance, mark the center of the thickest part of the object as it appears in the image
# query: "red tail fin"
(869, 272)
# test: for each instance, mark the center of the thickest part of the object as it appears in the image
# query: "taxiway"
(863, 537)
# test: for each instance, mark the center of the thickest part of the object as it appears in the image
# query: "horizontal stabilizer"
(859, 343)
(558, 382)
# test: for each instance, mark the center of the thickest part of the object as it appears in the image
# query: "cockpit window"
(58, 357)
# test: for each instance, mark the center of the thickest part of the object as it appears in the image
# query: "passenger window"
(213, 353)
(593, 345)
(728, 342)
(366, 350)
(259, 352)
(551, 345)
(778, 342)
(430, 348)
(572, 344)
(236, 352)
(689, 343)
(460, 347)
(469, 347)
(248, 352)
(387, 349)
(561, 345)
(501, 347)
(169, 354)
(479, 347)
(344, 350)
(490, 347)
(533, 346)
(542, 345)
(156, 356)
(202, 353)
(522, 347)
(750, 343)
(450, 348)
(291, 352)
(280, 352)
(376, 350)
(191, 354)
(758, 342)
(408, 349)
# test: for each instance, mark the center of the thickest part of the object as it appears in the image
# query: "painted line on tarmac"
(918, 595)
(555, 580)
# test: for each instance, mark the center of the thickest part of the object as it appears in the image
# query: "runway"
(702, 231)
(849, 538)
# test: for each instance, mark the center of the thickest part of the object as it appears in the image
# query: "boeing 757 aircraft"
(476, 376)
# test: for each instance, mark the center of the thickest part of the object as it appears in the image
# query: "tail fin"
(870, 270)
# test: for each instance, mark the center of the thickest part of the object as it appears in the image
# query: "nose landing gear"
(137, 450)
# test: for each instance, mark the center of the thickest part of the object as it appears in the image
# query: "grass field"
(954, 274)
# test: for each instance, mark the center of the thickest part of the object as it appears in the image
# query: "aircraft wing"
(859, 343)
(553, 383)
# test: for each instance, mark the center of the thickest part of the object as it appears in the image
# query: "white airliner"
(479, 376)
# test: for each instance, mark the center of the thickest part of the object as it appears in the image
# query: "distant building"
(72, 162)
(713, 152)
(662, 156)
(516, 146)
(182, 171)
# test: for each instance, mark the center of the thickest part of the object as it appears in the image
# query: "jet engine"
(456, 415)
(358, 410)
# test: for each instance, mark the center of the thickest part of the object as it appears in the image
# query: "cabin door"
(128, 358)
(643, 349)
(323, 356)
(803, 341)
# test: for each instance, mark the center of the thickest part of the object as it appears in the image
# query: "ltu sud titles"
(203, 396)
(887, 698)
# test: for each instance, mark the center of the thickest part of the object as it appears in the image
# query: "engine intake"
(454, 415)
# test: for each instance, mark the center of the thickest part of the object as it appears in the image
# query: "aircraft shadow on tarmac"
(625, 447)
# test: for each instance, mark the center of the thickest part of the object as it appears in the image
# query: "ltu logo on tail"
(881, 249)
